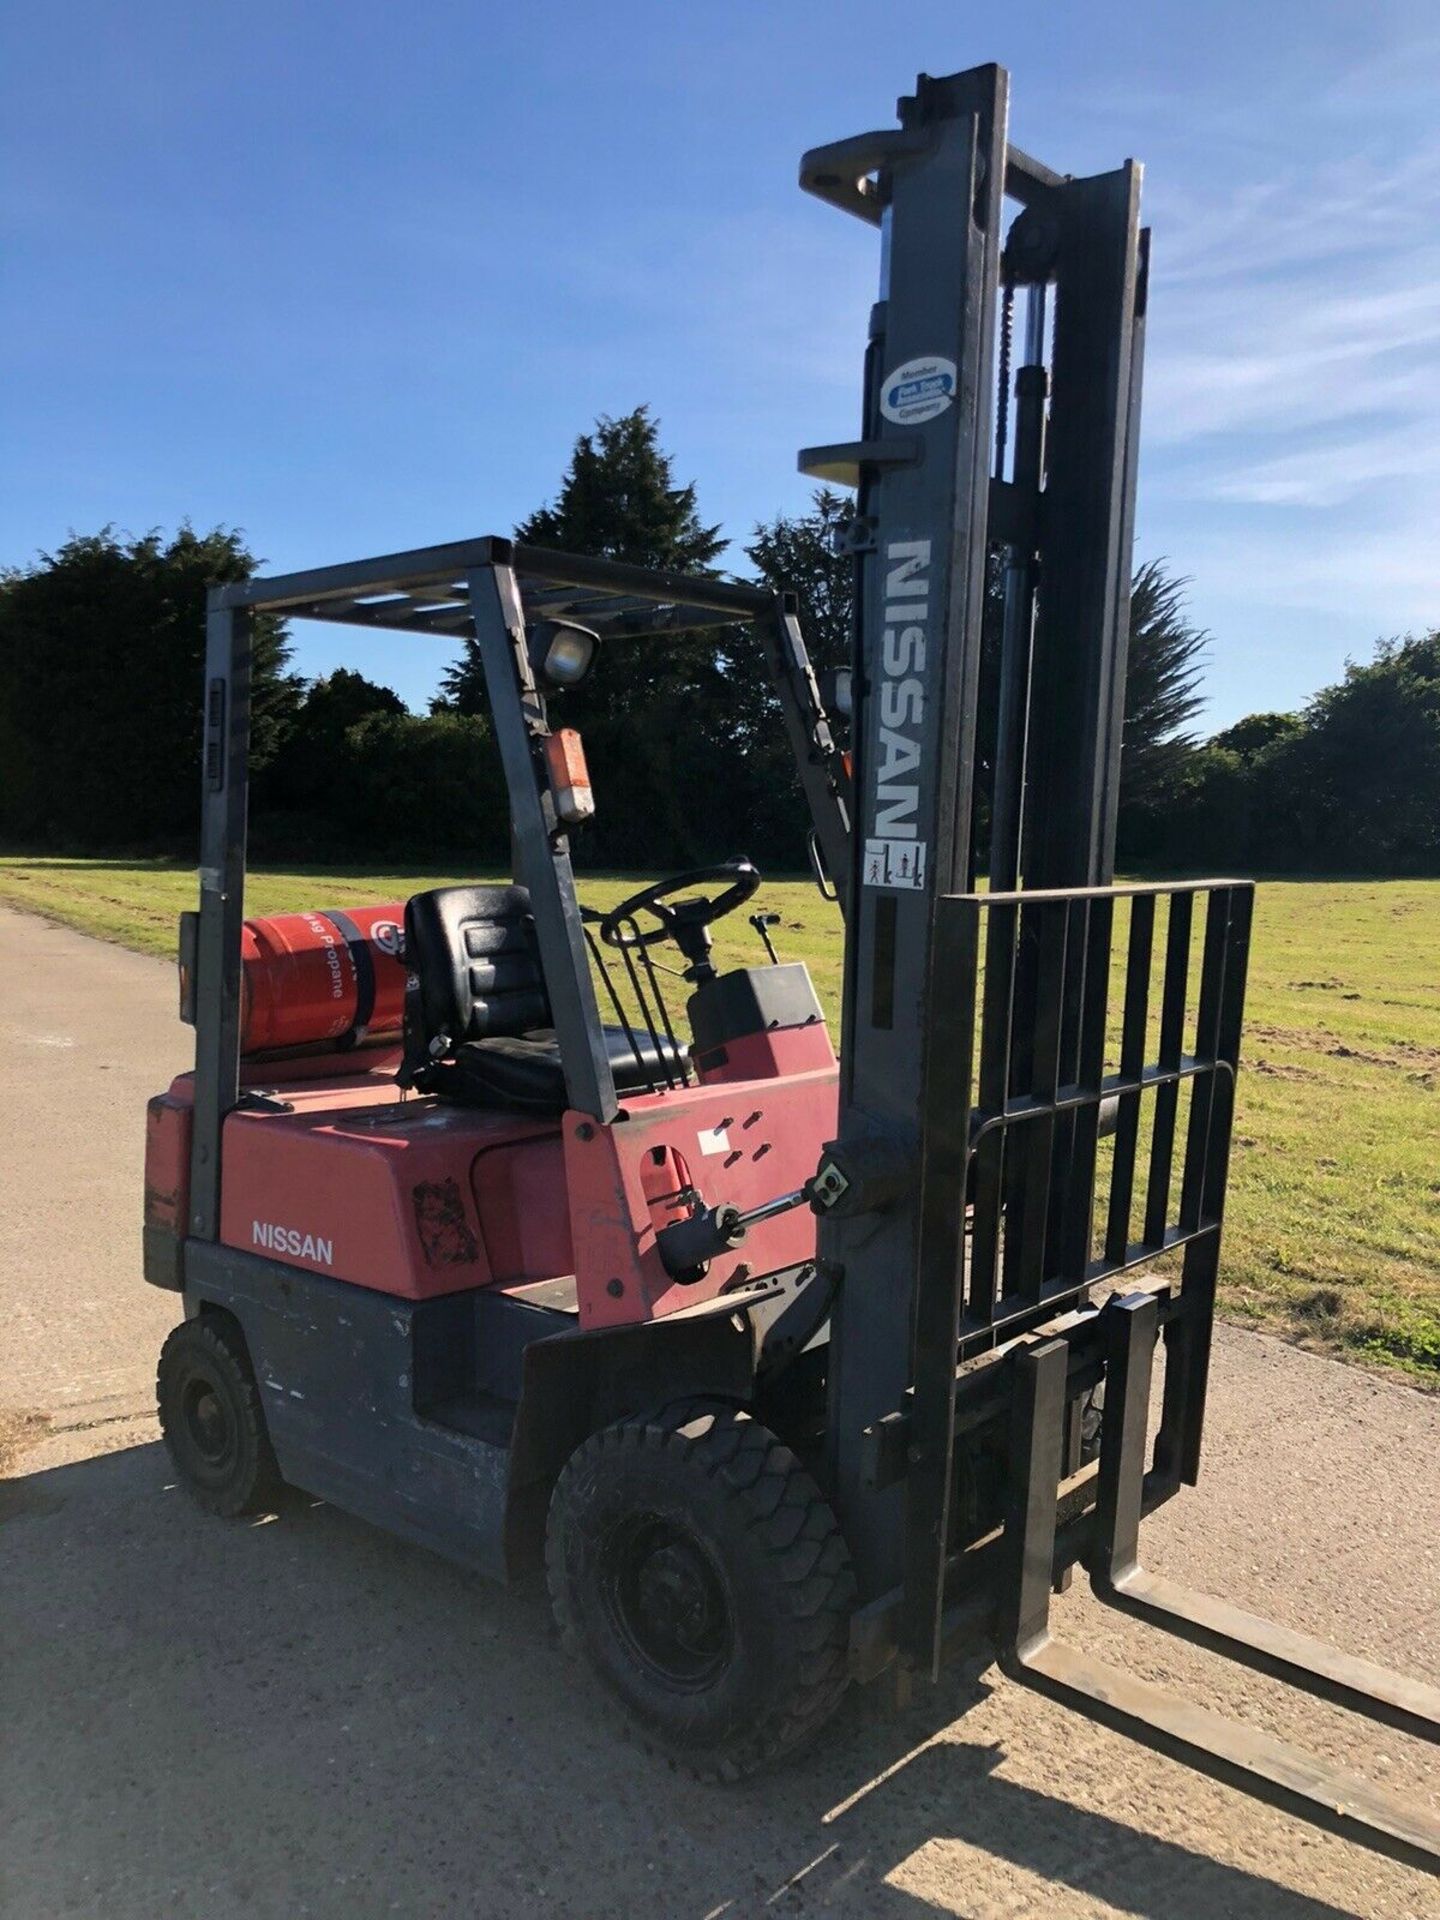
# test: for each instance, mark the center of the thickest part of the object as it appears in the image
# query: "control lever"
(762, 923)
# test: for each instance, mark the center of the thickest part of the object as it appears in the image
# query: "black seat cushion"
(473, 953)
(477, 1019)
(522, 1073)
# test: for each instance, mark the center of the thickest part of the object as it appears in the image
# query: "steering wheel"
(687, 922)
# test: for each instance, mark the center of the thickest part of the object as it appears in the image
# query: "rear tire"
(212, 1420)
(698, 1567)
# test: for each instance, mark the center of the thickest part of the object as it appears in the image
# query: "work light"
(562, 653)
(836, 692)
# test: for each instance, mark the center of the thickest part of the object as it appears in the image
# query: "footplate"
(1239, 1755)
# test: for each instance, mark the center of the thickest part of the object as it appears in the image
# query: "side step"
(1239, 1755)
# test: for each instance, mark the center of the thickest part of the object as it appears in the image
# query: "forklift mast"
(945, 525)
(994, 1042)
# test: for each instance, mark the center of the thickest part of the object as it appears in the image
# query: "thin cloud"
(1332, 474)
(1293, 360)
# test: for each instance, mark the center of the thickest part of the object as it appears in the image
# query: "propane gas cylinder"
(325, 979)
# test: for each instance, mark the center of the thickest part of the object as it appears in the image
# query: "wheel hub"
(206, 1421)
(668, 1600)
(672, 1596)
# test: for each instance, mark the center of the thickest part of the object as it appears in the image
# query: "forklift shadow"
(991, 1839)
(303, 1714)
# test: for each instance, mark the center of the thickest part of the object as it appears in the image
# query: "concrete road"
(301, 1717)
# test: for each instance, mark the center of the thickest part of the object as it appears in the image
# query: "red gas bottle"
(323, 979)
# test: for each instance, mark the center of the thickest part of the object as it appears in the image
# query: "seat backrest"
(473, 952)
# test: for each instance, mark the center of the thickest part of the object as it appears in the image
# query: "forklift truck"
(792, 1371)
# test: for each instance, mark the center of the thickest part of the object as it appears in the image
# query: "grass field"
(1333, 1233)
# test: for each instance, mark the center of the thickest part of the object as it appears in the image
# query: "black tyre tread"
(226, 1345)
(785, 1510)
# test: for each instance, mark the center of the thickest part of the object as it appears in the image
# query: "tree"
(1351, 784)
(421, 787)
(1256, 734)
(652, 710)
(1162, 686)
(102, 648)
(1161, 783)
(1357, 787)
(340, 700)
(1205, 821)
(617, 501)
(798, 555)
(792, 554)
(301, 781)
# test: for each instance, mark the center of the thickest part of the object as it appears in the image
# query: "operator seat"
(478, 1025)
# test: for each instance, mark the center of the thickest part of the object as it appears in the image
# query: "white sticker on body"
(918, 390)
(713, 1140)
(895, 863)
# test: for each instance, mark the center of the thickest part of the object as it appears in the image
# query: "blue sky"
(353, 277)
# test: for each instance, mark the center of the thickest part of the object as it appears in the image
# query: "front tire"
(697, 1565)
(212, 1420)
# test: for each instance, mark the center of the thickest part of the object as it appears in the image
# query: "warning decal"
(895, 863)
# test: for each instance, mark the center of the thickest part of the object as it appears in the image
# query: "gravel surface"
(300, 1716)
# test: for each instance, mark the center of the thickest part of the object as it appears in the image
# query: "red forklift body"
(341, 1174)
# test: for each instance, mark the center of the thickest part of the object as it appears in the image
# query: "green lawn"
(1333, 1233)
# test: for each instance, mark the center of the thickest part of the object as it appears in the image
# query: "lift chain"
(1002, 408)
